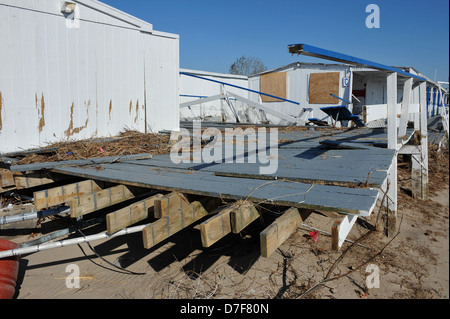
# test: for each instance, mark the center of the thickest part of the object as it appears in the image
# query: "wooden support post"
(89, 203)
(391, 199)
(281, 229)
(230, 219)
(130, 215)
(340, 229)
(405, 108)
(391, 87)
(242, 216)
(169, 203)
(392, 144)
(165, 227)
(419, 162)
(58, 195)
(216, 227)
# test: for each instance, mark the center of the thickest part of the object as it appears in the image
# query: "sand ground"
(413, 264)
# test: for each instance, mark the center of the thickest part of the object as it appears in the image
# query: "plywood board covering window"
(320, 87)
(273, 84)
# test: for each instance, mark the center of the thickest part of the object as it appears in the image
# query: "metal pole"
(34, 215)
(239, 87)
(69, 242)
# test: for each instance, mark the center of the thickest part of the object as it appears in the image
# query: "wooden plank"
(90, 161)
(340, 229)
(391, 95)
(407, 88)
(320, 197)
(6, 178)
(242, 216)
(59, 195)
(165, 227)
(321, 85)
(273, 84)
(89, 203)
(170, 203)
(36, 179)
(281, 229)
(130, 215)
(216, 227)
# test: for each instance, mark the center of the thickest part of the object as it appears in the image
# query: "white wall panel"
(59, 83)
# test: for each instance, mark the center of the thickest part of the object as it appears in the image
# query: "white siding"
(59, 83)
(297, 86)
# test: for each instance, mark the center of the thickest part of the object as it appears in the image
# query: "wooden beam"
(280, 230)
(242, 216)
(216, 227)
(170, 203)
(6, 178)
(130, 215)
(340, 230)
(165, 227)
(89, 203)
(59, 195)
(80, 162)
(391, 95)
(407, 88)
(34, 179)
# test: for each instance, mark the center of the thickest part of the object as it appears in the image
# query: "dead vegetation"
(126, 143)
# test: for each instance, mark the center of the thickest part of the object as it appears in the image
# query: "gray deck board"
(302, 195)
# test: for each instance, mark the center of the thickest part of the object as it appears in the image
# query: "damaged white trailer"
(78, 69)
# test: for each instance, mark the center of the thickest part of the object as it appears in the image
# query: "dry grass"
(126, 143)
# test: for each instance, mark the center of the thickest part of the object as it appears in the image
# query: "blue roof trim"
(310, 50)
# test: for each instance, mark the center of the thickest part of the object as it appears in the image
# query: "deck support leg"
(419, 173)
(391, 187)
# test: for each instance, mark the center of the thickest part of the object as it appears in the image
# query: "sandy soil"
(413, 264)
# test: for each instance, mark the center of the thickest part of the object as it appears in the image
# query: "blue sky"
(214, 33)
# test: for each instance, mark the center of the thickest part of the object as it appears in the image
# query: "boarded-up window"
(320, 87)
(273, 84)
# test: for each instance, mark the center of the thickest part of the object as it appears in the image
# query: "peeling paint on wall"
(71, 130)
(1, 107)
(41, 110)
(137, 112)
(110, 109)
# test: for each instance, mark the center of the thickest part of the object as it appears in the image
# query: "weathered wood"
(89, 203)
(6, 178)
(340, 230)
(423, 140)
(281, 229)
(216, 227)
(59, 195)
(300, 195)
(391, 95)
(407, 88)
(36, 179)
(130, 215)
(165, 227)
(242, 216)
(90, 161)
(170, 203)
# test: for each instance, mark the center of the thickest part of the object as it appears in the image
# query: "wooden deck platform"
(338, 172)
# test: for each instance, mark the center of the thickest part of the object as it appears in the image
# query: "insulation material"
(273, 84)
(321, 85)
